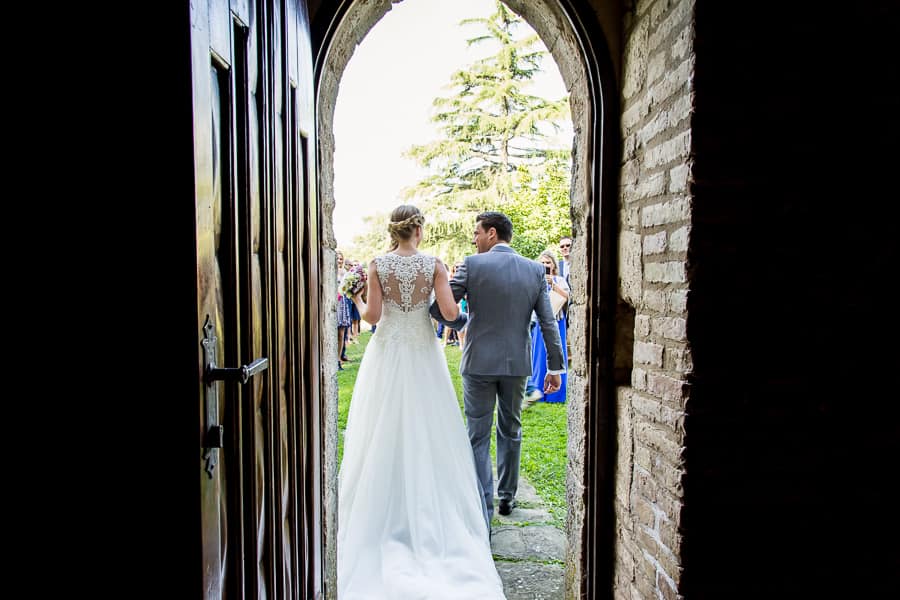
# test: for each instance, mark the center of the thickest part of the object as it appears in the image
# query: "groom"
(502, 289)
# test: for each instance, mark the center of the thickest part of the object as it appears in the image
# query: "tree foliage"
(495, 153)
(540, 210)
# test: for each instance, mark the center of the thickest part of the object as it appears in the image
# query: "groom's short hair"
(498, 221)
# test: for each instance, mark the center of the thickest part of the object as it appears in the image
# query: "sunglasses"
(565, 245)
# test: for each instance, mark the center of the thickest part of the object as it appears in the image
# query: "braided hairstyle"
(404, 220)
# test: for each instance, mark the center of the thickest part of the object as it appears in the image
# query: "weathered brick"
(672, 417)
(680, 359)
(651, 186)
(680, 110)
(639, 379)
(636, 112)
(668, 476)
(683, 43)
(645, 564)
(678, 240)
(678, 301)
(672, 328)
(632, 547)
(665, 272)
(666, 587)
(642, 457)
(656, 66)
(642, 325)
(655, 300)
(646, 586)
(624, 468)
(677, 81)
(635, 63)
(646, 406)
(676, 149)
(657, 12)
(667, 563)
(644, 513)
(630, 218)
(655, 243)
(670, 504)
(630, 266)
(669, 536)
(665, 213)
(621, 583)
(667, 388)
(658, 125)
(663, 21)
(625, 561)
(644, 484)
(678, 178)
(648, 353)
(658, 438)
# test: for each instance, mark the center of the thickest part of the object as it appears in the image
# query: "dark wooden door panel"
(257, 283)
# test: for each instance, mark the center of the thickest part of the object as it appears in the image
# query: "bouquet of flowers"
(354, 281)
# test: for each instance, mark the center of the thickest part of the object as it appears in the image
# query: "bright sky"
(385, 99)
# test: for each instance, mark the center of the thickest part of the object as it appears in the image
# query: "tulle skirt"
(410, 517)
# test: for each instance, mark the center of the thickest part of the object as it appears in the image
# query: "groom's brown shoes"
(506, 506)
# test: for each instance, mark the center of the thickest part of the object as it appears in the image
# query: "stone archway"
(552, 23)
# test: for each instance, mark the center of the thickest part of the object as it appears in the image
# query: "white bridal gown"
(410, 521)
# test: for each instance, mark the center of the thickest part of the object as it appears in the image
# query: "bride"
(410, 517)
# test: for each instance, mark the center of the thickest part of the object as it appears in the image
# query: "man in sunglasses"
(565, 247)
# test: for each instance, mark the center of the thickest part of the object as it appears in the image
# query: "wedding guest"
(453, 337)
(343, 313)
(353, 332)
(565, 249)
(555, 283)
(463, 308)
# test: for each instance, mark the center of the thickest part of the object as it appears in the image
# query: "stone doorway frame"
(582, 56)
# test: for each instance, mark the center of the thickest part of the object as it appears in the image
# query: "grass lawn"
(543, 461)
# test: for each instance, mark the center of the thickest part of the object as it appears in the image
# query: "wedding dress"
(410, 520)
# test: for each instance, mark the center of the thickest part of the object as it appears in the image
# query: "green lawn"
(543, 438)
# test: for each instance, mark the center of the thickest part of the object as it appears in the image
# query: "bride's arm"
(443, 294)
(370, 311)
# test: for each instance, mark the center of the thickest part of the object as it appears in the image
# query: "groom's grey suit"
(502, 289)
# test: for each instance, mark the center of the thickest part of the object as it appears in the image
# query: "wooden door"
(259, 436)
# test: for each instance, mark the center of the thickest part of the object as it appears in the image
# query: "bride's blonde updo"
(404, 220)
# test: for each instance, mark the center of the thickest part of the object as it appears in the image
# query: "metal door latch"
(212, 373)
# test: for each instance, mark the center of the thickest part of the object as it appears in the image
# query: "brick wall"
(655, 206)
(755, 436)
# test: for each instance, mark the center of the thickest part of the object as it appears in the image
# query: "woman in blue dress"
(538, 351)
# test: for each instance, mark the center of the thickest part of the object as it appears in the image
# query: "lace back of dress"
(406, 281)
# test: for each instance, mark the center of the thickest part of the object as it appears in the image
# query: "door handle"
(242, 374)
(212, 372)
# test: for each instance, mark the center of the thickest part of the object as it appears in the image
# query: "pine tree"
(496, 137)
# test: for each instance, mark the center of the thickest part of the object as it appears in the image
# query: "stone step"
(541, 543)
(532, 581)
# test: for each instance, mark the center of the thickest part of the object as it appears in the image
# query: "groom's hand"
(552, 383)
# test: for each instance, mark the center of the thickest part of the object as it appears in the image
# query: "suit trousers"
(480, 394)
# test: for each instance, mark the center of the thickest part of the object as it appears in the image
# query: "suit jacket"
(503, 288)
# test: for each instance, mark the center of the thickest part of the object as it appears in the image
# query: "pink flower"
(354, 281)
